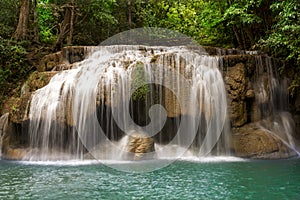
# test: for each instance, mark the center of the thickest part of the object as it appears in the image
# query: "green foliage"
(284, 40)
(47, 22)
(269, 25)
(139, 82)
(213, 30)
(241, 13)
(95, 21)
(13, 64)
(201, 20)
(6, 31)
(175, 15)
(8, 21)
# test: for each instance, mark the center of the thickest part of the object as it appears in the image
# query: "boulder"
(74, 54)
(15, 153)
(48, 62)
(252, 141)
(140, 145)
(61, 60)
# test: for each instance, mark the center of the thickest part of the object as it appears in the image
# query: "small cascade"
(173, 95)
(3, 128)
(272, 100)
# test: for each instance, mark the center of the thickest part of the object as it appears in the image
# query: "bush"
(13, 64)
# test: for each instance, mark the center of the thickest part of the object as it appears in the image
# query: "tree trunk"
(243, 39)
(35, 22)
(72, 10)
(237, 36)
(250, 35)
(128, 5)
(21, 30)
(64, 28)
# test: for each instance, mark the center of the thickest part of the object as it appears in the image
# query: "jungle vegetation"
(30, 29)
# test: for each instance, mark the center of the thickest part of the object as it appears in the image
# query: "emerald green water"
(181, 180)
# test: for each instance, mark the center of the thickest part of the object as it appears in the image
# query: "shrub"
(13, 64)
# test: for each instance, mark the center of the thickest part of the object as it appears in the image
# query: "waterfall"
(174, 95)
(272, 99)
(3, 129)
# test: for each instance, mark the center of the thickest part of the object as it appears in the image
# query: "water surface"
(181, 180)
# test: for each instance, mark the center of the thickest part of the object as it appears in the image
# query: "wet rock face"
(248, 87)
(18, 106)
(62, 59)
(140, 145)
(251, 141)
(13, 142)
(295, 107)
(236, 86)
(15, 153)
(48, 62)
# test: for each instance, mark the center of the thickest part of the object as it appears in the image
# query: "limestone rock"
(3, 128)
(231, 60)
(172, 105)
(139, 145)
(250, 94)
(74, 54)
(62, 59)
(251, 141)
(15, 153)
(38, 80)
(18, 106)
(11, 142)
(175, 105)
(236, 82)
(236, 86)
(48, 62)
(296, 113)
(297, 103)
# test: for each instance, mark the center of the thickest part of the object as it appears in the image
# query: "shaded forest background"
(30, 29)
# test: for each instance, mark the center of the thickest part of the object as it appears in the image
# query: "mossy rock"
(38, 80)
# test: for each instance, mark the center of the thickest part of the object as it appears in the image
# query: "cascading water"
(3, 127)
(117, 90)
(272, 100)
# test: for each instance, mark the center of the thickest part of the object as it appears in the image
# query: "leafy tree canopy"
(269, 25)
